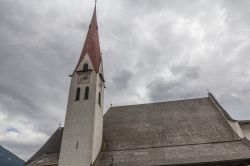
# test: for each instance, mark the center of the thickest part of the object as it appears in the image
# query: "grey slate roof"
(194, 121)
(177, 155)
(169, 133)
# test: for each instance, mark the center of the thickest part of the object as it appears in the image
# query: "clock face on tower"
(83, 78)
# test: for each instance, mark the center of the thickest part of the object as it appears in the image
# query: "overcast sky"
(152, 50)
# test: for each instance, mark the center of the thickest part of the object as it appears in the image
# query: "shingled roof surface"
(194, 121)
(178, 155)
(167, 133)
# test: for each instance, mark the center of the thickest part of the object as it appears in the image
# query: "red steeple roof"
(92, 45)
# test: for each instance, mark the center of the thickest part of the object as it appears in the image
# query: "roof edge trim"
(221, 109)
(233, 124)
(244, 121)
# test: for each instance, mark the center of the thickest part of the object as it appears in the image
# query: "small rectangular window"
(99, 100)
(86, 96)
(85, 67)
(78, 91)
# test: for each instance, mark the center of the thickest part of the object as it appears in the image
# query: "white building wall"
(98, 123)
(83, 123)
(245, 127)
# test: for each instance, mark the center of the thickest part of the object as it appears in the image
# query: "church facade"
(185, 132)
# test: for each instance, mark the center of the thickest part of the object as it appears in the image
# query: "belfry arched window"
(85, 67)
(99, 99)
(78, 91)
(86, 95)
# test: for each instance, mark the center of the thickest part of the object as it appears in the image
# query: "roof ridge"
(158, 102)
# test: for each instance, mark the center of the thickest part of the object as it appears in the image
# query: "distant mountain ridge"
(9, 159)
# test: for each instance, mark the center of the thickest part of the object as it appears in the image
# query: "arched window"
(85, 67)
(78, 91)
(86, 95)
(99, 99)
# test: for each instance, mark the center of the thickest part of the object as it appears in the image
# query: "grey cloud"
(189, 72)
(13, 102)
(181, 87)
(121, 80)
(21, 149)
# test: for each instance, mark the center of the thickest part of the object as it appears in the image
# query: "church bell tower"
(82, 137)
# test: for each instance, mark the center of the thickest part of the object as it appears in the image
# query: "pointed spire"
(92, 45)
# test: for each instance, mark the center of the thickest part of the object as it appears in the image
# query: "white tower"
(82, 137)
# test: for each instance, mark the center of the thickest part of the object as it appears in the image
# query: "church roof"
(92, 45)
(166, 133)
(174, 123)
(197, 154)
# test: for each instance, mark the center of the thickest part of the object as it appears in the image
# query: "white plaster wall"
(98, 123)
(246, 130)
(83, 123)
